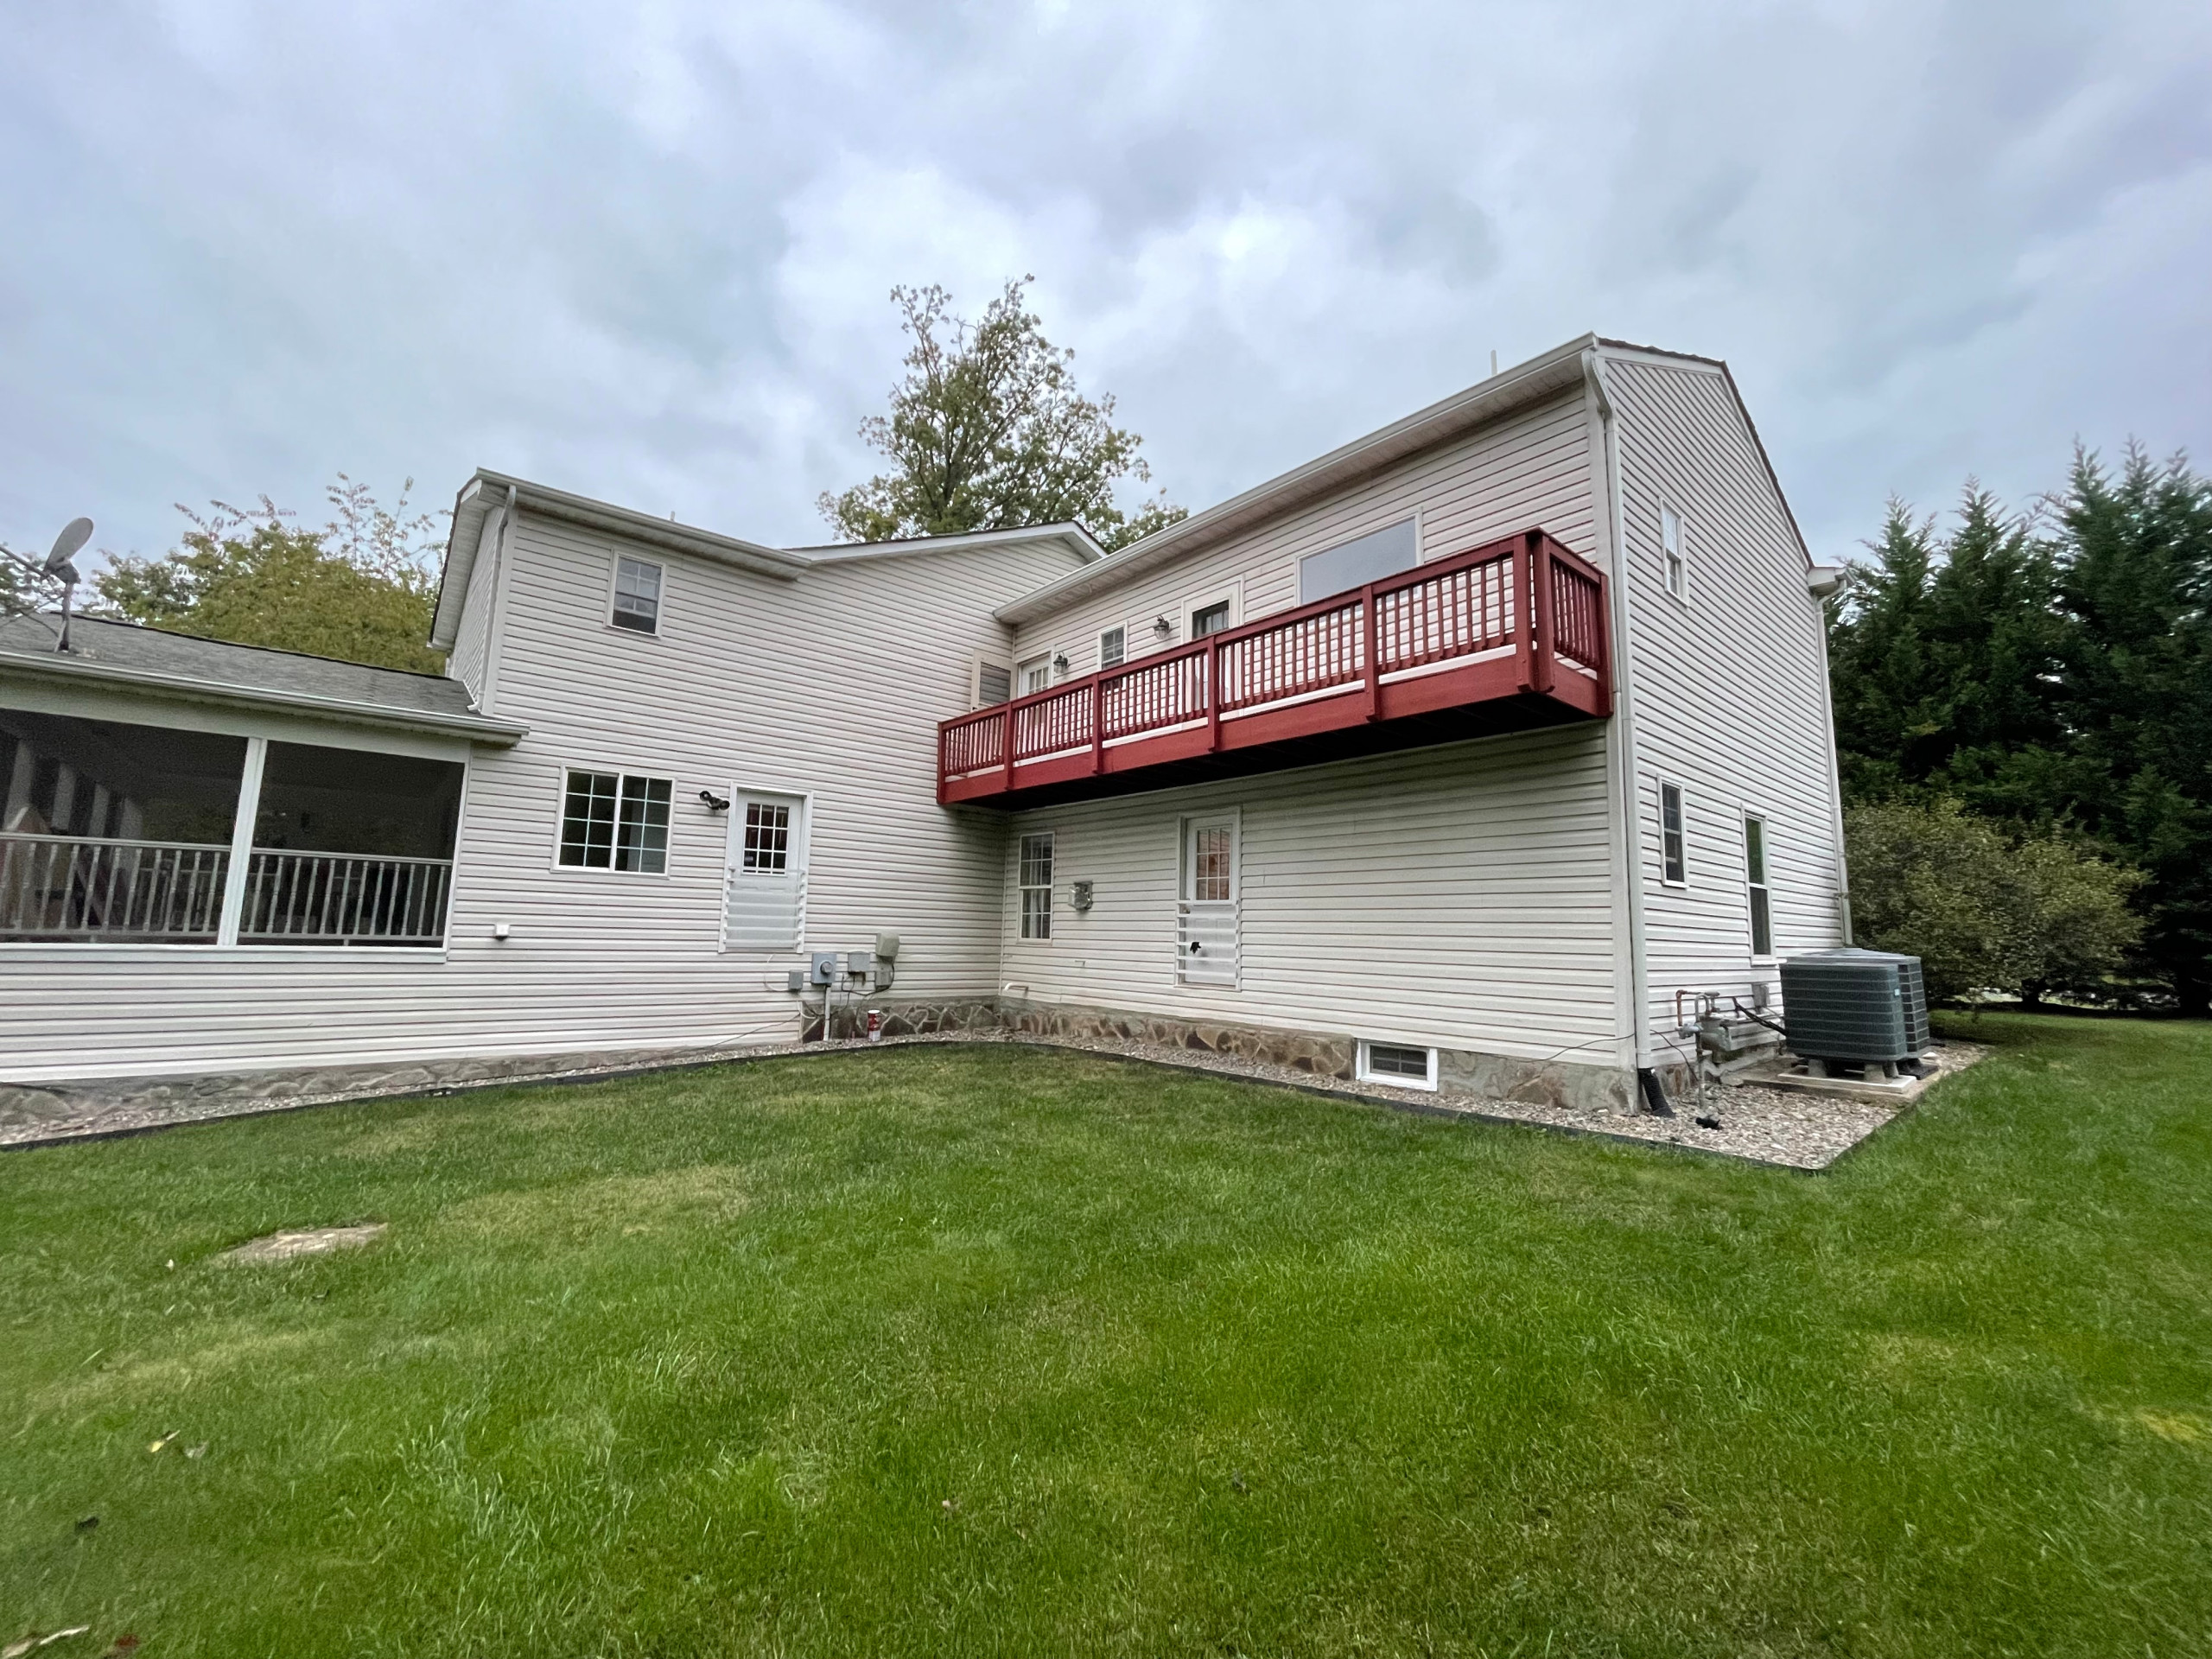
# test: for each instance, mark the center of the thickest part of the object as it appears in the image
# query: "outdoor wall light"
(714, 803)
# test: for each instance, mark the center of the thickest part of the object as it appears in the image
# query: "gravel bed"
(1762, 1125)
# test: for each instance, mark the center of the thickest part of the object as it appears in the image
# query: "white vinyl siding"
(470, 657)
(577, 973)
(1531, 468)
(1731, 695)
(1471, 910)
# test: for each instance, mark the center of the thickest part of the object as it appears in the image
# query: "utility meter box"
(824, 971)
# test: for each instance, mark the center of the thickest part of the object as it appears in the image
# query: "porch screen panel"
(350, 847)
(113, 832)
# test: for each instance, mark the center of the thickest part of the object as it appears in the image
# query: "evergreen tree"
(2136, 586)
(1943, 652)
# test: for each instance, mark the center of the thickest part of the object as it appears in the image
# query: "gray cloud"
(645, 256)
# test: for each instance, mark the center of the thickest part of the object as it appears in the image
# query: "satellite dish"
(74, 535)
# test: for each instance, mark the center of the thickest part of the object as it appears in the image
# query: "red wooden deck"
(1515, 630)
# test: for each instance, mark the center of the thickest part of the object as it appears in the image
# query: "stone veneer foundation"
(1572, 1086)
(1579, 1088)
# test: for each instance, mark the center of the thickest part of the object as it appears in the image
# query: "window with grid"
(1211, 874)
(767, 849)
(1674, 564)
(1113, 646)
(1755, 874)
(615, 821)
(637, 595)
(1037, 886)
(1672, 857)
(1398, 1062)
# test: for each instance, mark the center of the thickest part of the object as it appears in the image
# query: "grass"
(992, 1350)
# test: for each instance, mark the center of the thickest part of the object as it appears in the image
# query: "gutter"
(1593, 369)
(498, 733)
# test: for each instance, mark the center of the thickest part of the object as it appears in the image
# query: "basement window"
(637, 595)
(1399, 1065)
(615, 821)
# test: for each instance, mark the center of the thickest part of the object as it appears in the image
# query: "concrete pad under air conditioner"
(1788, 1071)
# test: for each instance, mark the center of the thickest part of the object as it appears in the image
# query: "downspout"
(1835, 775)
(1654, 1098)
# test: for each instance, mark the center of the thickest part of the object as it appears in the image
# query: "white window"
(615, 821)
(637, 595)
(1210, 619)
(1355, 563)
(1755, 879)
(1400, 1064)
(1206, 935)
(1673, 857)
(1036, 675)
(764, 891)
(994, 684)
(1037, 886)
(1673, 559)
(1113, 646)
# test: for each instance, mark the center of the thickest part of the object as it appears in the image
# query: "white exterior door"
(1206, 915)
(765, 887)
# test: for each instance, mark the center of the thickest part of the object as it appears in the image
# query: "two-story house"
(1457, 756)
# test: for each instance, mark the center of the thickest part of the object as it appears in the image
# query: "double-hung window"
(615, 821)
(1674, 560)
(1210, 619)
(1674, 856)
(637, 595)
(1037, 886)
(1755, 878)
(1113, 646)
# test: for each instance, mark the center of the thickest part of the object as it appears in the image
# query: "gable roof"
(486, 492)
(128, 657)
(1546, 375)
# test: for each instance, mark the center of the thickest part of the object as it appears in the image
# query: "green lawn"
(990, 1350)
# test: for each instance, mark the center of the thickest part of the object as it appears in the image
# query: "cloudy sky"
(643, 253)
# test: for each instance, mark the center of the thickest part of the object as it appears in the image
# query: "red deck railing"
(1518, 617)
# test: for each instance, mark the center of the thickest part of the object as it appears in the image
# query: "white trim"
(1022, 889)
(1190, 911)
(660, 595)
(977, 662)
(798, 863)
(1747, 816)
(1681, 557)
(243, 822)
(108, 676)
(1365, 1071)
(1230, 592)
(1098, 646)
(1680, 884)
(561, 817)
(1624, 811)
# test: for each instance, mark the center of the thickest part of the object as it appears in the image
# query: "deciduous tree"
(989, 431)
(362, 588)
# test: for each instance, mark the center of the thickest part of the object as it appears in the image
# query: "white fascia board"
(1073, 537)
(1555, 372)
(70, 671)
(488, 490)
